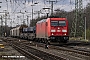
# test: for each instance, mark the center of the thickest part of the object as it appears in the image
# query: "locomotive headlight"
(64, 34)
(64, 30)
(58, 28)
(52, 34)
(53, 31)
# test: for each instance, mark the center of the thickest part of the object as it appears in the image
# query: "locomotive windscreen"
(62, 23)
(58, 23)
(54, 23)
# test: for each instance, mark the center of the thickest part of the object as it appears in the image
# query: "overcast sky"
(15, 6)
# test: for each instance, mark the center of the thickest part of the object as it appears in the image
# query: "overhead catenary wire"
(18, 4)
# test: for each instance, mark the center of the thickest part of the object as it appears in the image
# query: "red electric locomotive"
(53, 30)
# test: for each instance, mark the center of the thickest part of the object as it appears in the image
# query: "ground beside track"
(78, 39)
(66, 54)
(9, 53)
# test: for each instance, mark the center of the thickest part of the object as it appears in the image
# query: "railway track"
(32, 53)
(25, 53)
(66, 53)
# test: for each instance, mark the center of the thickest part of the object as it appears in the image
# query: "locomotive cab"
(59, 30)
(53, 30)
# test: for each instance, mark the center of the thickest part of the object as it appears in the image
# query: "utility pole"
(5, 34)
(52, 7)
(38, 12)
(81, 19)
(1, 23)
(33, 4)
(78, 22)
(23, 19)
(11, 23)
(0, 6)
(74, 23)
(52, 2)
(1, 26)
(27, 20)
(6, 13)
(85, 27)
(32, 13)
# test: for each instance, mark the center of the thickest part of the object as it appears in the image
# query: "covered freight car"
(17, 31)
